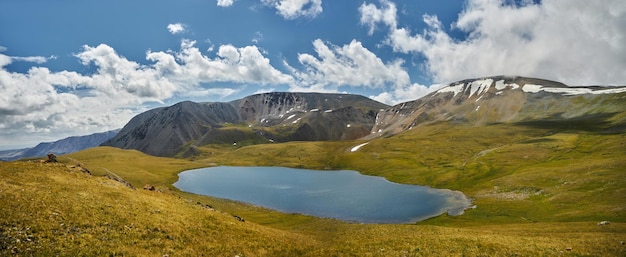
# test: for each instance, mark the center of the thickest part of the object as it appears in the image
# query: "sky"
(76, 67)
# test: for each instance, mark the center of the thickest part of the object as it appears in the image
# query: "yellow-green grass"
(53, 210)
(512, 172)
(50, 209)
(538, 192)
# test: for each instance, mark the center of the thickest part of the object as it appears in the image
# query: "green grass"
(539, 192)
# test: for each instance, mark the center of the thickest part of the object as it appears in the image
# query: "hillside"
(180, 129)
(544, 167)
(262, 118)
(54, 209)
(501, 99)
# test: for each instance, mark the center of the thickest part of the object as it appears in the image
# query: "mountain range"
(63, 146)
(179, 129)
(261, 118)
(279, 117)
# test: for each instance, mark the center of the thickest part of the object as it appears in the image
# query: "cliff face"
(276, 117)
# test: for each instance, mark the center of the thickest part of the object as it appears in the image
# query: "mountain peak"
(260, 118)
(498, 84)
(502, 99)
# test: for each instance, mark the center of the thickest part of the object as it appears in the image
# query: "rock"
(119, 179)
(149, 187)
(239, 218)
(51, 158)
(83, 169)
(604, 223)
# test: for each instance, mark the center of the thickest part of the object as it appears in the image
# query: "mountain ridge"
(288, 116)
(59, 147)
(504, 99)
(266, 117)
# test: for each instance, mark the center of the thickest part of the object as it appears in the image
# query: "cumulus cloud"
(574, 41)
(225, 3)
(231, 64)
(177, 28)
(68, 102)
(292, 9)
(348, 65)
(404, 93)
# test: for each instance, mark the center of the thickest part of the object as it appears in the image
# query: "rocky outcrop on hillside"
(268, 117)
(520, 100)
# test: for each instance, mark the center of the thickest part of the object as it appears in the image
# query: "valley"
(543, 183)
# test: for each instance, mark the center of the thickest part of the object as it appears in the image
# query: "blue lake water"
(344, 195)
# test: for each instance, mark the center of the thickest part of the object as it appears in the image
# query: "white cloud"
(231, 64)
(258, 36)
(225, 3)
(574, 41)
(35, 59)
(403, 94)
(291, 9)
(349, 65)
(177, 28)
(68, 103)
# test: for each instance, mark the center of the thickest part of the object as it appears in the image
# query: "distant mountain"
(63, 146)
(14, 154)
(261, 118)
(519, 100)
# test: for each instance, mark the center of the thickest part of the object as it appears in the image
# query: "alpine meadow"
(262, 128)
(542, 183)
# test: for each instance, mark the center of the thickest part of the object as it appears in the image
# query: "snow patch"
(347, 126)
(290, 117)
(456, 89)
(610, 91)
(480, 86)
(356, 148)
(314, 110)
(296, 121)
(530, 88)
(327, 111)
(500, 85)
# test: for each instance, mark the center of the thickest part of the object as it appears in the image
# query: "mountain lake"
(345, 195)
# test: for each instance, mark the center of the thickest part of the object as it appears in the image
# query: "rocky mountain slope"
(519, 100)
(63, 146)
(261, 118)
(282, 117)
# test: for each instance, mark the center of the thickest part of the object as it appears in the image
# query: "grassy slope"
(49, 209)
(537, 192)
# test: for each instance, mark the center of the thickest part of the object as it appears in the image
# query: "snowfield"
(356, 148)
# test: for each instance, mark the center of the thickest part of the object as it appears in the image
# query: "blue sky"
(78, 67)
